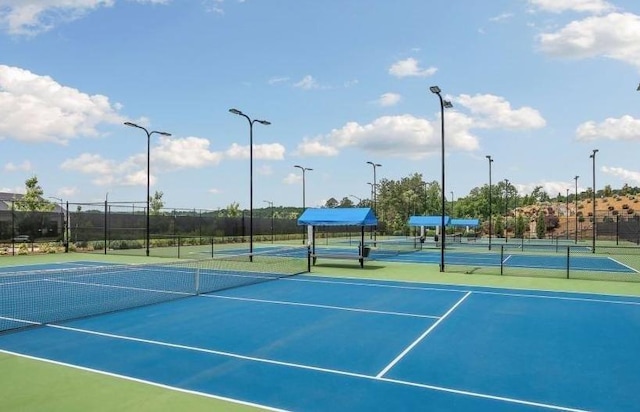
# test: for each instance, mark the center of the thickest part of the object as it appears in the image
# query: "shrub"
(625, 206)
(630, 211)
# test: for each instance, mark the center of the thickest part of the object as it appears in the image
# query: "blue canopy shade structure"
(465, 222)
(428, 220)
(351, 216)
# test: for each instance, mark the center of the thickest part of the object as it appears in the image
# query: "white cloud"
(316, 147)
(293, 178)
(624, 128)
(550, 188)
(21, 17)
(615, 36)
(22, 167)
(490, 111)
(276, 80)
(169, 154)
(271, 151)
(559, 6)
(67, 191)
(389, 99)
(307, 83)
(501, 17)
(38, 109)
(403, 135)
(188, 152)
(628, 176)
(410, 68)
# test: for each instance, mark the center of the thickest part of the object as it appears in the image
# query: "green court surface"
(32, 385)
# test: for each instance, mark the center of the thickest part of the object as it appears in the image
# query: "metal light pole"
(576, 202)
(567, 211)
(490, 228)
(270, 207)
(304, 204)
(149, 133)
(506, 209)
(251, 122)
(374, 190)
(443, 104)
(593, 198)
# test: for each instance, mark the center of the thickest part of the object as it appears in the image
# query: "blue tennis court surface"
(310, 343)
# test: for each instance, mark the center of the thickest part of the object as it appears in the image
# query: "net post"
(178, 247)
(309, 258)
(501, 259)
(197, 281)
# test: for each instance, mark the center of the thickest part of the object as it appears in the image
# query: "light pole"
(593, 198)
(304, 204)
(576, 211)
(270, 207)
(443, 104)
(506, 209)
(567, 211)
(490, 228)
(149, 133)
(374, 189)
(251, 122)
(356, 197)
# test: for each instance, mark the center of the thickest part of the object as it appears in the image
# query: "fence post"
(501, 259)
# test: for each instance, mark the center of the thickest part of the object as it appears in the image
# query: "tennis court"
(307, 343)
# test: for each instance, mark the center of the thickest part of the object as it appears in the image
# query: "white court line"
(20, 320)
(507, 258)
(622, 264)
(420, 338)
(313, 305)
(476, 291)
(146, 382)
(316, 369)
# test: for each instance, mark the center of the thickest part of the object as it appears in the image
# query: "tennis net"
(48, 296)
(393, 247)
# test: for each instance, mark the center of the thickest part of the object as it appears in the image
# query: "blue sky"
(536, 84)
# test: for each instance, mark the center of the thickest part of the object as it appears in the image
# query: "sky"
(535, 84)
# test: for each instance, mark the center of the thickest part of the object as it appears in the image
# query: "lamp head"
(447, 104)
(435, 89)
(236, 111)
(264, 122)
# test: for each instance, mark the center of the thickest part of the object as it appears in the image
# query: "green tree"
(346, 202)
(541, 226)
(521, 226)
(331, 203)
(233, 210)
(156, 203)
(32, 200)
(498, 227)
